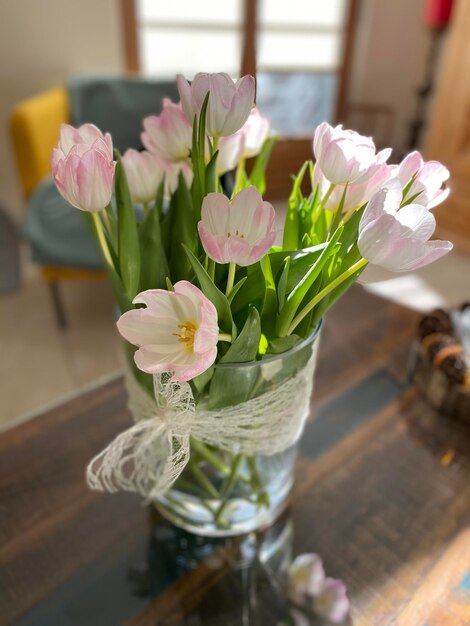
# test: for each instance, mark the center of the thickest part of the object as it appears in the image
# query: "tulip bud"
(255, 130)
(429, 177)
(397, 238)
(229, 102)
(305, 577)
(168, 135)
(344, 156)
(332, 601)
(144, 175)
(83, 167)
(239, 232)
(231, 150)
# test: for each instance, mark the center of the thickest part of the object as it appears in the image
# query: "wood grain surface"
(382, 493)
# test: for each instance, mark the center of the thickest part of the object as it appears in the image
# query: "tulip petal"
(187, 103)
(376, 239)
(386, 200)
(215, 212)
(410, 166)
(413, 254)
(418, 220)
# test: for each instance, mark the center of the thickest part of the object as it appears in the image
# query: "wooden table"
(382, 494)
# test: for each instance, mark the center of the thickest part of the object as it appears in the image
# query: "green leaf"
(300, 291)
(230, 386)
(211, 174)
(409, 184)
(251, 292)
(257, 176)
(202, 133)
(212, 292)
(269, 308)
(320, 226)
(245, 346)
(282, 283)
(411, 199)
(326, 303)
(200, 382)
(241, 179)
(291, 226)
(183, 230)
(254, 288)
(236, 288)
(338, 214)
(282, 344)
(113, 235)
(128, 237)
(196, 188)
(154, 266)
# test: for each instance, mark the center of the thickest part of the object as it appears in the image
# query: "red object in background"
(437, 12)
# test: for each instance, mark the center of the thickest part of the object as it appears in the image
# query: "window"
(298, 59)
(189, 36)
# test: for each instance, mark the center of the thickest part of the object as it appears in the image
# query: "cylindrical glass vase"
(229, 491)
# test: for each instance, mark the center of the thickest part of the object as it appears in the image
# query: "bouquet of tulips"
(200, 274)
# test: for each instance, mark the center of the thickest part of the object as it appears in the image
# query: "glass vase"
(224, 492)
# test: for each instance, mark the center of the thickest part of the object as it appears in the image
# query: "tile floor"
(41, 364)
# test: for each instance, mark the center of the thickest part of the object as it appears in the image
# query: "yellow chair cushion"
(35, 127)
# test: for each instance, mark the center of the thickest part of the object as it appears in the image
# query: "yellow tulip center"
(186, 334)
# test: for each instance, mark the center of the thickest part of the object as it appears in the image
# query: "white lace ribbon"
(148, 457)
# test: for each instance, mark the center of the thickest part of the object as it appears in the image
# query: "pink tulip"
(305, 577)
(144, 175)
(231, 149)
(87, 134)
(344, 156)
(332, 601)
(168, 135)
(356, 194)
(256, 131)
(397, 239)
(83, 167)
(229, 102)
(176, 332)
(239, 232)
(171, 172)
(429, 179)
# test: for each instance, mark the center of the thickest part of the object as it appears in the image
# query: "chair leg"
(58, 304)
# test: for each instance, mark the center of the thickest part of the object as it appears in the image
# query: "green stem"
(211, 269)
(188, 487)
(231, 278)
(215, 145)
(238, 175)
(324, 292)
(102, 238)
(105, 218)
(202, 479)
(229, 485)
(256, 484)
(225, 337)
(146, 208)
(207, 454)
